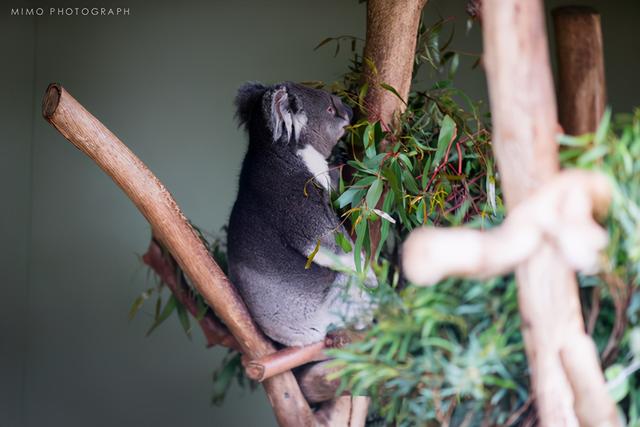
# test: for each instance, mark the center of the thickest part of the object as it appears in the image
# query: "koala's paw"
(341, 337)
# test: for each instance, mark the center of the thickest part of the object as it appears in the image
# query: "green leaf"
(366, 181)
(384, 228)
(394, 180)
(224, 375)
(183, 316)
(361, 231)
(156, 313)
(393, 91)
(426, 173)
(455, 61)
(594, 154)
(137, 303)
(362, 93)
(574, 141)
(405, 159)
(166, 312)
(448, 132)
(312, 255)
(621, 390)
(369, 141)
(374, 193)
(410, 182)
(603, 128)
(346, 197)
(373, 163)
(344, 242)
(357, 198)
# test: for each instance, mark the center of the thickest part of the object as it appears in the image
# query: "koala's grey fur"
(274, 225)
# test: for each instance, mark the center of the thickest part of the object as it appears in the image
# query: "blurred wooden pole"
(172, 229)
(524, 119)
(581, 81)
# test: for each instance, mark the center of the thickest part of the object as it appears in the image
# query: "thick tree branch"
(165, 267)
(389, 54)
(174, 232)
(524, 122)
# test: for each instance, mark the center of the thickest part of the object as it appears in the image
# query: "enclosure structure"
(567, 381)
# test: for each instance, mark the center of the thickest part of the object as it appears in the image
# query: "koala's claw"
(342, 337)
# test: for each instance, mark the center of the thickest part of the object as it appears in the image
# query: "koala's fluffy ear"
(286, 115)
(247, 99)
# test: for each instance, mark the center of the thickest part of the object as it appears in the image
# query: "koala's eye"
(331, 110)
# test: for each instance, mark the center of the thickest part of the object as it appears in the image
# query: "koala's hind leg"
(314, 384)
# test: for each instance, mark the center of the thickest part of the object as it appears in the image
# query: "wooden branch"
(293, 357)
(560, 213)
(344, 411)
(284, 360)
(392, 27)
(582, 373)
(359, 411)
(581, 83)
(165, 267)
(172, 229)
(524, 123)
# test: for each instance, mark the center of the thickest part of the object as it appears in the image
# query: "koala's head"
(294, 115)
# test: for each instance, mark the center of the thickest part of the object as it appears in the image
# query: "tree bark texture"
(524, 125)
(389, 54)
(581, 82)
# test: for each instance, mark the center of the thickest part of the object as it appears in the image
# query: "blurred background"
(163, 79)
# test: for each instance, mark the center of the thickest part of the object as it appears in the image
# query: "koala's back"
(285, 299)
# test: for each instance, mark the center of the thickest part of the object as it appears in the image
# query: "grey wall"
(16, 127)
(163, 80)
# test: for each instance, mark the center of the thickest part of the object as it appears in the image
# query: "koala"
(283, 210)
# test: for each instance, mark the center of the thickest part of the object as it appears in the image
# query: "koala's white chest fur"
(317, 165)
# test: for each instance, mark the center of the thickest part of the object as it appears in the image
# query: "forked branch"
(174, 232)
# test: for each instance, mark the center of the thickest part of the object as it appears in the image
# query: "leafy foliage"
(453, 354)
(615, 150)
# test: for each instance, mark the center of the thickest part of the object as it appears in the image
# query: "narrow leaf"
(448, 132)
(183, 316)
(393, 91)
(312, 255)
(374, 193)
(344, 242)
